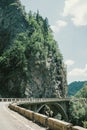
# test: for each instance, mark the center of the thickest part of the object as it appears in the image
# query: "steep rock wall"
(22, 74)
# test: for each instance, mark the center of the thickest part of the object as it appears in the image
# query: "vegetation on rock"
(31, 64)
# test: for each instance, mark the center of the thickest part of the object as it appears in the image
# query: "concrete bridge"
(36, 105)
(51, 107)
(41, 105)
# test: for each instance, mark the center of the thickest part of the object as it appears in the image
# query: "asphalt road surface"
(10, 120)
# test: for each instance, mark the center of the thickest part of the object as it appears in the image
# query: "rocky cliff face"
(25, 69)
(12, 22)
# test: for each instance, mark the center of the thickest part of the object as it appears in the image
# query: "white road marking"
(17, 118)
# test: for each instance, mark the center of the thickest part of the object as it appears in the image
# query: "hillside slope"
(82, 93)
(31, 64)
(74, 87)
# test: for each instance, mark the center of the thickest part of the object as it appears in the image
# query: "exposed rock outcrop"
(27, 71)
(12, 22)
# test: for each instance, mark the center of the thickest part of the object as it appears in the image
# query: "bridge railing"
(33, 99)
(38, 100)
(51, 123)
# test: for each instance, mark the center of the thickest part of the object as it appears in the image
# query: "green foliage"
(13, 64)
(85, 124)
(35, 47)
(13, 4)
(74, 87)
(82, 93)
(13, 57)
(40, 39)
(78, 111)
(8, 2)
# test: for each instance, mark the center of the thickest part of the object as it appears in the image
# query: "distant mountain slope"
(74, 87)
(83, 92)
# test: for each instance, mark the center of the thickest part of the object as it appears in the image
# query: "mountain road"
(10, 120)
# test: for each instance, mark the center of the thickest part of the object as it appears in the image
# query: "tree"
(78, 111)
(83, 92)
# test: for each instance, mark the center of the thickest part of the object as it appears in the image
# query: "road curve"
(10, 120)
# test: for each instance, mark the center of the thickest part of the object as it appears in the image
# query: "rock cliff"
(31, 64)
(12, 22)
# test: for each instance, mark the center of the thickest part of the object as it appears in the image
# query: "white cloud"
(58, 25)
(77, 9)
(79, 72)
(69, 62)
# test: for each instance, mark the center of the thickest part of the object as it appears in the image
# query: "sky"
(68, 20)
